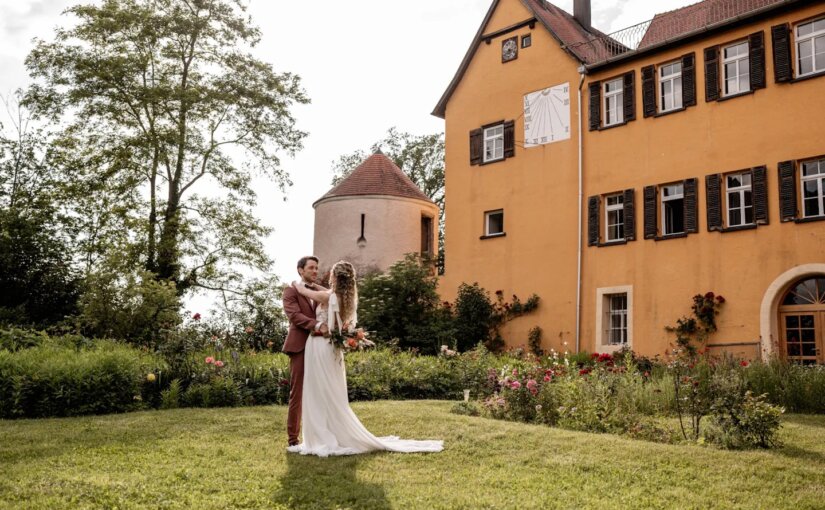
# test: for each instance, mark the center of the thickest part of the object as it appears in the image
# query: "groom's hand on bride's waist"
(324, 330)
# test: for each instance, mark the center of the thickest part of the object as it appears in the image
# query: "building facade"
(373, 218)
(619, 175)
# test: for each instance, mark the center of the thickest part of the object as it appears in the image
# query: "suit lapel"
(305, 301)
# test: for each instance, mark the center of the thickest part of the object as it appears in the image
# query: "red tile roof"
(569, 32)
(691, 18)
(377, 175)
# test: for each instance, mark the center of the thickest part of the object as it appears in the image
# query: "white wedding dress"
(328, 424)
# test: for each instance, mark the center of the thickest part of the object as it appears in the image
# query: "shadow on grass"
(807, 420)
(326, 483)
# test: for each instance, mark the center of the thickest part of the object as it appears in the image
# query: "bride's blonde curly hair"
(342, 281)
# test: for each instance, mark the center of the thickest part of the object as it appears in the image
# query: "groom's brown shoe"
(293, 443)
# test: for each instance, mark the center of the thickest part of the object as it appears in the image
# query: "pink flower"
(515, 385)
(531, 383)
(196, 317)
(209, 360)
(515, 371)
(219, 363)
(546, 378)
(249, 329)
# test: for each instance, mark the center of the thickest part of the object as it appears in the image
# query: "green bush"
(219, 392)
(56, 380)
(170, 398)
(797, 388)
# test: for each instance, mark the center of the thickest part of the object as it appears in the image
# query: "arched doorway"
(802, 321)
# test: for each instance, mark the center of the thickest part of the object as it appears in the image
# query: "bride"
(329, 425)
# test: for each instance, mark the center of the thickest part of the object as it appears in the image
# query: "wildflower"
(515, 385)
(720, 299)
(196, 317)
(584, 371)
(352, 343)
(744, 363)
(709, 295)
(269, 344)
(531, 383)
(538, 408)
(283, 382)
(150, 377)
(546, 378)
(499, 293)
(647, 374)
(249, 330)
(209, 360)
(219, 363)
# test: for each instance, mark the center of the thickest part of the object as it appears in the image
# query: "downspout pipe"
(582, 72)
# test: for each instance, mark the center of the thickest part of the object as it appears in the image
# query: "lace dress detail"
(328, 424)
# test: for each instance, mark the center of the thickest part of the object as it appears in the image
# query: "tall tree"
(167, 117)
(421, 157)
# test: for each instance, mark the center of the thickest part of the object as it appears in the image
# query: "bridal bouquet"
(350, 340)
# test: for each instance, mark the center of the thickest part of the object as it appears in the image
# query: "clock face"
(509, 49)
(547, 115)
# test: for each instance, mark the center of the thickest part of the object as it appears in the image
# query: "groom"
(302, 323)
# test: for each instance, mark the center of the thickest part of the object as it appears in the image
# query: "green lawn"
(235, 458)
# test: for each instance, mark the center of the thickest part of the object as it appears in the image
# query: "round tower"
(373, 218)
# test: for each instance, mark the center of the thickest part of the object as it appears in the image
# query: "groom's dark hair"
(303, 261)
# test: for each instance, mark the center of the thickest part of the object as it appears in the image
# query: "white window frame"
(494, 135)
(819, 178)
(671, 78)
(487, 216)
(608, 208)
(737, 61)
(603, 295)
(812, 37)
(740, 190)
(680, 196)
(617, 98)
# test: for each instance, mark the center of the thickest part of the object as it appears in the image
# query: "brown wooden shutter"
(756, 49)
(760, 195)
(713, 197)
(476, 146)
(629, 95)
(649, 91)
(509, 139)
(651, 227)
(595, 111)
(782, 66)
(712, 73)
(593, 221)
(629, 215)
(689, 80)
(691, 206)
(787, 191)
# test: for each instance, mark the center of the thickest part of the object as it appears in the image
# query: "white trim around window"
(812, 184)
(614, 217)
(613, 92)
(494, 223)
(670, 86)
(612, 320)
(493, 143)
(810, 47)
(739, 199)
(736, 69)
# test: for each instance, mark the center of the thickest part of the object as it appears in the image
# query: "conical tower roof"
(377, 175)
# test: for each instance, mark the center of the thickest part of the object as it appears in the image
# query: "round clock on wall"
(509, 49)
(547, 115)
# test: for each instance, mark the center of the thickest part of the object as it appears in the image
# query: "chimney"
(581, 11)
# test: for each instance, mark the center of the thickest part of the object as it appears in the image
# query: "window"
(670, 87)
(617, 319)
(613, 101)
(526, 41)
(813, 188)
(426, 236)
(615, 217)
(614, 321)
(673, 209)
(739, 199)
(736, 69)
(810, 47)
(494, 223)
(494, 143)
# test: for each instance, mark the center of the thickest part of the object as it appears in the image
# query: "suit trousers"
(296, 390)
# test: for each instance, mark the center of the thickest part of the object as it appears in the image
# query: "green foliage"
(798, 388)
(218, 392)
(744, 421)
(477, 319)
(403, 304)
(466, 409)
(534, 341)
(170, 398)
(692, 332)
(57, 380)
(140, 136)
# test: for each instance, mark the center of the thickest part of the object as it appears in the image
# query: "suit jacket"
(302, 321)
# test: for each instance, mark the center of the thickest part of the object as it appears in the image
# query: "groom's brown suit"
(301, 313)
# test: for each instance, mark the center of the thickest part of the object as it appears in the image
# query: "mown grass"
(235, 458)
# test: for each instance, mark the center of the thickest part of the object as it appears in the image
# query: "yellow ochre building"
(617, 175)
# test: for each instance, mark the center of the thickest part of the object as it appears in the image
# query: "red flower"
(352, 343)
(196, 317)
(499, 293)
(546, 378)
(720, 299)
(584, 371)
(744, 363)
(594, 355)
(709, 295)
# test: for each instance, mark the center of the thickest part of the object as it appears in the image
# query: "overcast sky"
(366, 65)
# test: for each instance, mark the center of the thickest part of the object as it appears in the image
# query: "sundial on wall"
(547, 115)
